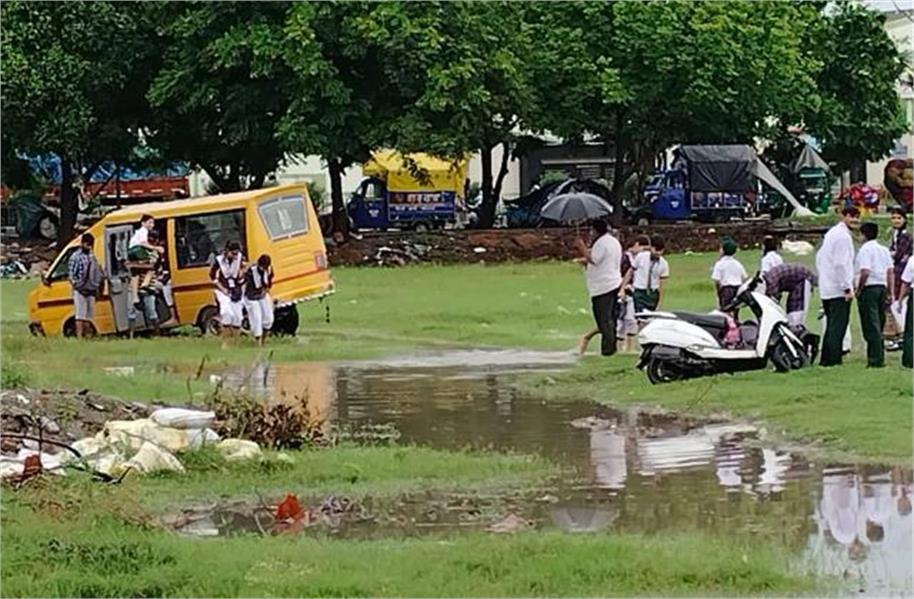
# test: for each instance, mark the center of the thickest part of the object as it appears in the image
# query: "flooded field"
(625, 471)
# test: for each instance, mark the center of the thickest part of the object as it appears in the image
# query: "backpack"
(93, 280)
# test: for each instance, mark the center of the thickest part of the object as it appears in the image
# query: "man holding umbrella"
(602, 263)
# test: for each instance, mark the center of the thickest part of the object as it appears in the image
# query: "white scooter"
(679, 345)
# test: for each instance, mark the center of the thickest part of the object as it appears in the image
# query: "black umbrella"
(575, 207)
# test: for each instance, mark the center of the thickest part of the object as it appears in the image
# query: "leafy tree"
(353, 79)
(218, 98)
(645, 75)
(476, 87)
(74, 77)
(858, 115)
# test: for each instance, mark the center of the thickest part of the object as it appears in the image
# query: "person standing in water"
(602, 269)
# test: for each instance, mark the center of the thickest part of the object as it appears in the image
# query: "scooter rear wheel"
(661, 371)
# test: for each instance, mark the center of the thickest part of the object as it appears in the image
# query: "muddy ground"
(59, 416)
(503, 245)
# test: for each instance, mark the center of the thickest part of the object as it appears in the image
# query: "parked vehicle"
(29, 217)
(679, 345)
(418, 192)
(524, 212)
(711, 184)
(808, 178)
(279, 221)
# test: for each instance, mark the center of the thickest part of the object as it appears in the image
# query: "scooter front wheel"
(661, 371)
(784, 360)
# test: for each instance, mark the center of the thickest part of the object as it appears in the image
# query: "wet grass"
(77, 538)
(849, 410)
(343, 470)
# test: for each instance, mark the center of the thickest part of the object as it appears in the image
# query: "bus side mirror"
(45, 280)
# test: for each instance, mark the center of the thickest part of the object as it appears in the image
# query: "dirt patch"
(59, 416)
(504, 245)
(26, 257)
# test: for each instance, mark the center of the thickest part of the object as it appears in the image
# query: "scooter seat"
(705, 321)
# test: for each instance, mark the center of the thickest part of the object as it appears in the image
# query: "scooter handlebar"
(747, 287)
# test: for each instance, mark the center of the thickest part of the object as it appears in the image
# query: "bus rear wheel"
(208, 321)
(285, 320)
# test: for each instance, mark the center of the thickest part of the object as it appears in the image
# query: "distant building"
(900, 28)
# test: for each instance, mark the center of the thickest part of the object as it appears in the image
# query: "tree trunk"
(68, 203)
(340, 217)
(503, 170)
(489, 200)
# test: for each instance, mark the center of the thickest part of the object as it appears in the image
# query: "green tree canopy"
(74, 81)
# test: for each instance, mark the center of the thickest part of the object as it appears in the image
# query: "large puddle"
(628, 472)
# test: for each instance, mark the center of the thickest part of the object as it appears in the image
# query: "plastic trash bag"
(182, 418)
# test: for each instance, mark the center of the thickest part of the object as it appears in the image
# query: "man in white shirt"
(603, 265)
(835, 265)
(875, 274)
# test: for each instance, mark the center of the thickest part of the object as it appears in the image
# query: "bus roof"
(191, 205)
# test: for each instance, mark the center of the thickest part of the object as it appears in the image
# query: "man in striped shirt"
(797, 282)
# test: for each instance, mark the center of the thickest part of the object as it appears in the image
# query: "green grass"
(849, 411)
(343, 470)
(62, 540)
(74, 537)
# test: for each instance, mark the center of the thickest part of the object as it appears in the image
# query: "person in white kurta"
(835, 266)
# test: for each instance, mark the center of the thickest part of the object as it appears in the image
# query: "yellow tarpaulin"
(440, 175)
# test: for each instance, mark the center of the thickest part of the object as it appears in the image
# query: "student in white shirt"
(649, 273)
(907, 344)
(603, 271)
(835, 265)
(875, 282)
(728, 274)
(770, 256)
(139, 248)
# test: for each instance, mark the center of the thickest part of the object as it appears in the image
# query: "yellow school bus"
(279, 221)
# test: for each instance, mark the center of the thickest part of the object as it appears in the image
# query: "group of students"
(238, 287)
(879, 278)
(149, 276)
(621, 284)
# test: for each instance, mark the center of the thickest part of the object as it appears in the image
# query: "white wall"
(510, 189)
(900, 30)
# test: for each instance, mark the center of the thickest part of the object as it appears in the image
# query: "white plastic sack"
(798, 248)
(152, 458)
(238, 449)
(182, 418)
(129, 435)
(13, 465)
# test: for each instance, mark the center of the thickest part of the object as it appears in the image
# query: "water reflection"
(630, 471)
(863, 527)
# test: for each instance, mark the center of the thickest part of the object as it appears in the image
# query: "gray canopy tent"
(732, 168)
